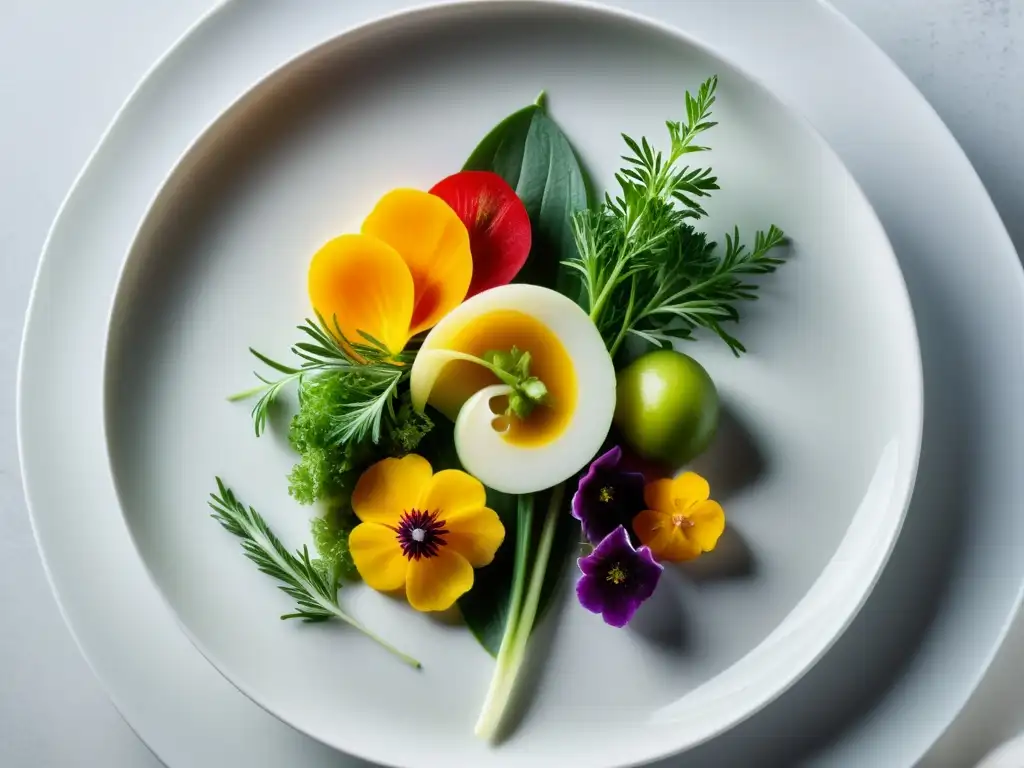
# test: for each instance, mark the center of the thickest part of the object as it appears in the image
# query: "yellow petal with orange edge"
(708, 520)
(689, 489)
(435, 583)
(658, 495)
(452, 490)
(665, 540)
(434, 243)
(389, 488)
(378, 556)
(363, 284)
(475, 534)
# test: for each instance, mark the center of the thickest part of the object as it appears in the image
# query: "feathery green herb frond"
(645, 269)
(371, 372)
(314, 590)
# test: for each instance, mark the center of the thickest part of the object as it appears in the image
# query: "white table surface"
(66, 67)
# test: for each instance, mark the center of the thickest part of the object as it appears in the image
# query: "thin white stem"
(327, 605)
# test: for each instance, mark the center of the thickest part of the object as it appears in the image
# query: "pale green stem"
(327, 605)
(520, 625)
(249, 393)
(414, 663)
(602, 298)
(524, 521)
(627, 322)
(504, 376)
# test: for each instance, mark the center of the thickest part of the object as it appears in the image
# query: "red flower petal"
(498, 224)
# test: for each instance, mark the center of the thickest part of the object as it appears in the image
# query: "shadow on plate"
(662, 621)
(734, 461)
(870, 658)
(731, 559)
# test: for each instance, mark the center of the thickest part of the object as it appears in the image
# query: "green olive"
(666, 407)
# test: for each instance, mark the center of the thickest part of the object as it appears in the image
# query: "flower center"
(681, 521)
(606, 494)
(616, 574)
(421, 534)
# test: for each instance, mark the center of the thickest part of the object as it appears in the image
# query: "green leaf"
(499, 359)
(535, 389)
(485, 606)
(531, 153)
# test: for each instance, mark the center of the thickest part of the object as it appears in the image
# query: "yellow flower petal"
(708, 520)
(665, 539)
(689, 489)
(435, 583)
(378, 556)
(475, 534)
(451, 490)
(366, 286)
(389, 488)
(658, 496)
(434, 243)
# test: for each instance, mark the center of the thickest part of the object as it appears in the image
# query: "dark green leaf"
(532, 154)
(485, 606)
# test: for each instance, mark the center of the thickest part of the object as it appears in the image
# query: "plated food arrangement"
(488, 390)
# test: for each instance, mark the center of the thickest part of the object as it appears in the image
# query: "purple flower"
(617, 578)
(608, 497)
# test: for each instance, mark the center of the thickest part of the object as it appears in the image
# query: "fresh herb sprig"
(314, 589)
(645, 269)
(354, 407)
(372, 376)
(513, 368)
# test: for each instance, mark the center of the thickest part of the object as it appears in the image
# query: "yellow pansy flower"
(682, 521)
(421, 531)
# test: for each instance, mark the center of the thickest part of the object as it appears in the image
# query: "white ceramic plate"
(153, 676)
(815, 468)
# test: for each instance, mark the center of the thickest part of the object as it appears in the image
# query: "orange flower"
(409, 267)
(682, 521)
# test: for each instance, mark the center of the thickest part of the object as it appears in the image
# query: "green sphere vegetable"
(666, 407)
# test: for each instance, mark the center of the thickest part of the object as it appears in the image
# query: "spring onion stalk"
(523, 607)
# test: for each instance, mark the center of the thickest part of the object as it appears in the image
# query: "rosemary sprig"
(372, 377)
(315, 591)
